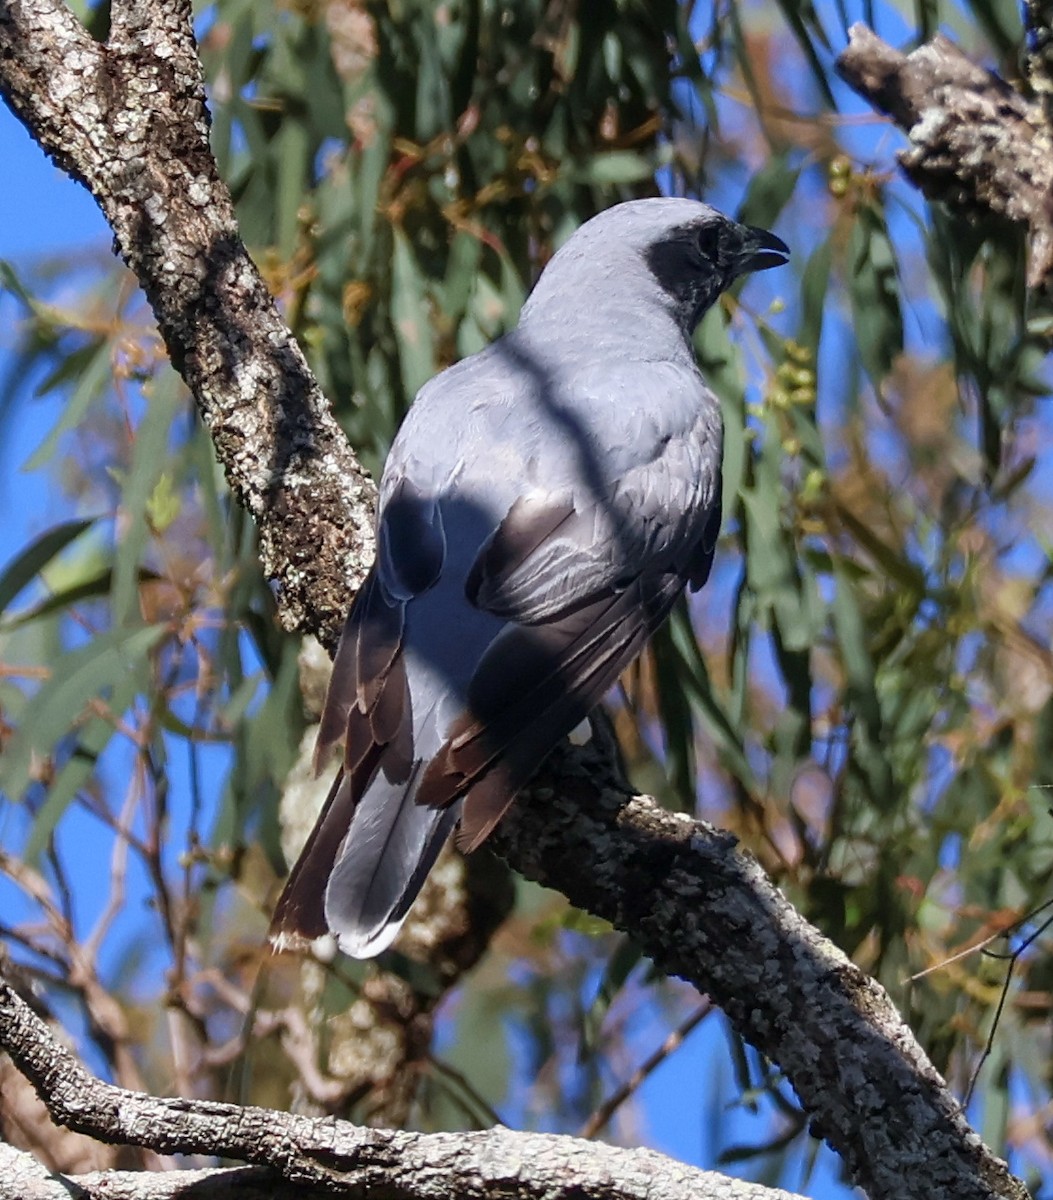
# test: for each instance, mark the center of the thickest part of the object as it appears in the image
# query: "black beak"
(760, 250)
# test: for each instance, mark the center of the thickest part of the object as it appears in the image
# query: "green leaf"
(24, 568)
(79, 677)
(92, 367)
(95, 585)
(292, 150)
(163, 505)
(895, 565)
(615, 167)
(799, 16)
(626, 956)
(869, 743)
(411, 318)
(769, 191)
(926, 19)
(674, 710)
(694, 677)
(874, 290)
(11, 282)
(815, 284)
(149, 458)
(462, 266)
(77, 771)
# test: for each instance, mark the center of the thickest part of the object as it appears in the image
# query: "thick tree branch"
(976, 143)
(23, 1178)
(128, 119)
(705, 911)
(326, 1156)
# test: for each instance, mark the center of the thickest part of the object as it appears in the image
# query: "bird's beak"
(760, 250)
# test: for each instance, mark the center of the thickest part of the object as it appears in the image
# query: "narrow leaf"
(59, 704)
(26, 566)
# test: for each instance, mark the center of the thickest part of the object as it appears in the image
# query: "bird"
(544, 503)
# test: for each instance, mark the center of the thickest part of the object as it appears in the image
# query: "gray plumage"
(543, 505)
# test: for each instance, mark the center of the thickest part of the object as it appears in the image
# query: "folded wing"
(582, 581)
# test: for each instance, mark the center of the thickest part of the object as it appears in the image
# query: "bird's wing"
(582, 580)
(368, 708)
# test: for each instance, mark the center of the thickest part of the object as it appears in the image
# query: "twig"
(118, 873)
(61, 882)
(1013, 958)
(673, 1042)
(106, 1020)
(483, 1107)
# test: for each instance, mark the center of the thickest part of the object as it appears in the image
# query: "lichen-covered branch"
(976, 143)
(325, 1156)
(705, 911)
(1038, 61)
(128, 119)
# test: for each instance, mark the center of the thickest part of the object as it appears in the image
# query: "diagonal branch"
(128, 120)
(705, 911)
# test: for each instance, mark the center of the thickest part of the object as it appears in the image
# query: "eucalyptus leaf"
(28, 563)
(85, 674)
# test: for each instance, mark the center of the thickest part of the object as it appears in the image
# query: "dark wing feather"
(533, 685)
(560, 691)
(701, 560)
(367, 706)
(527, 532)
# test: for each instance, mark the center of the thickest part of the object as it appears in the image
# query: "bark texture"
(322, 1156)
(976, 143)
(127, 118)
(705, 911)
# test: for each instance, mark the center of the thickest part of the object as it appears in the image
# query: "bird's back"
(542, 507)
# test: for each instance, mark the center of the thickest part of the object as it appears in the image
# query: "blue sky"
(42, 213)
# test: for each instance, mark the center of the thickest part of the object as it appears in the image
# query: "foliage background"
(863, 691)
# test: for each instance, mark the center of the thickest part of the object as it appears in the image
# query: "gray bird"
(542, 507)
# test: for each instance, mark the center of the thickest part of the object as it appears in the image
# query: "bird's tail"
(390, 848)
(361, 869)
(373, 845)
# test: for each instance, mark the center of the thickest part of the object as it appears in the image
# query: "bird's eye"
(707, 242)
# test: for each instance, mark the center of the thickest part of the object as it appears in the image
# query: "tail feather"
(363, 865)
(373, 845)
(299, 915)
(392, 845)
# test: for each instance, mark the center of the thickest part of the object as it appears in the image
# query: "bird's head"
(680, 252)
(697, 260)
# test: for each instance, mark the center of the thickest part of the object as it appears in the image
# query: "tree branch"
(705, 911)
(327, 1156)
(976, 143)
(23, 1178)
(128, 120)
